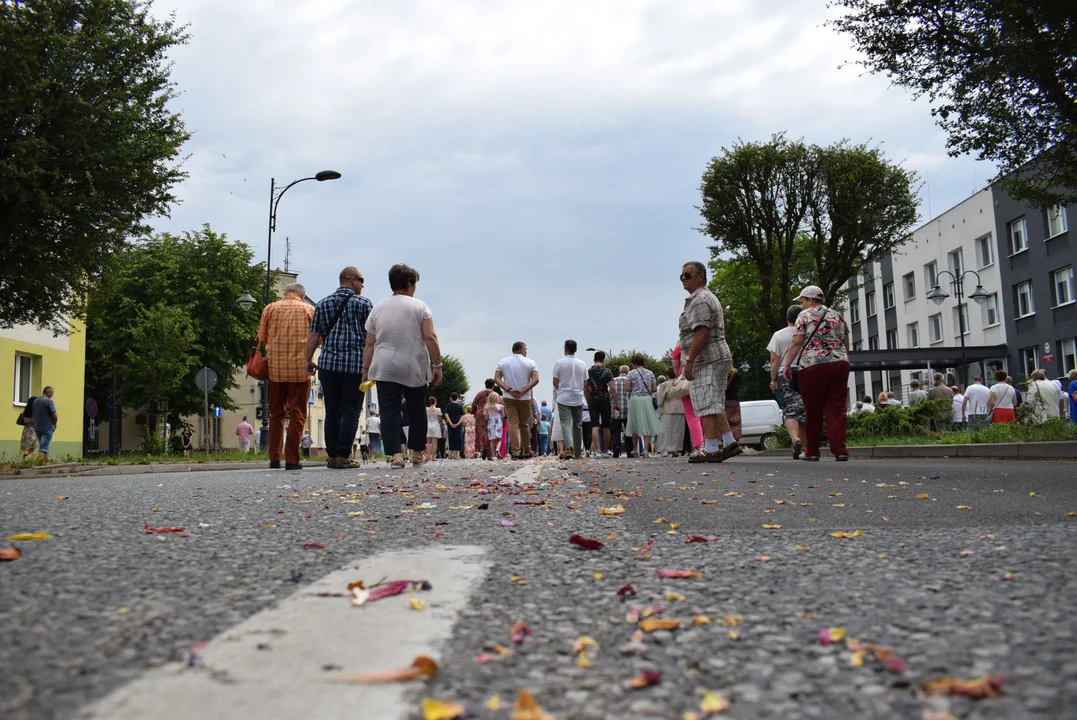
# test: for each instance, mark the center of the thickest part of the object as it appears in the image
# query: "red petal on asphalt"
(10, 553)
(520, 632)
(695, 538)
(313, 546)
(644, 551)
(147, 530)
(626, 592)
(586, 543)
(679, 574)
(646, 678)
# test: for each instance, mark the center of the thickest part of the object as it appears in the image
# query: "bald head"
(347, 274)
(350, 277)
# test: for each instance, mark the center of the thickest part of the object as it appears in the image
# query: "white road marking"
(271, 665)
(527, 475)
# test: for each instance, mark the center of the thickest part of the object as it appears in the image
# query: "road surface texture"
(964, 569)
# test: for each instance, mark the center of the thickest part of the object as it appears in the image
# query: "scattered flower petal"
(441, 710)
(772, 527)
(701, 620)
(421, 667)
(652, 623)
(713, 703)
(416, 604)
(847, 535)
(586, 543)
(645, 678)
(679, 574)
(829, 636)
(527, 708)
(615, 510)
(981, 687)
(42, 535)
(7, 554)
(520, 632)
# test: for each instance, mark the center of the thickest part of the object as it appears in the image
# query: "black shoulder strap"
(337, 317)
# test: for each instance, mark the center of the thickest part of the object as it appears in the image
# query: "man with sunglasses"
(707, 363)
(339, 326)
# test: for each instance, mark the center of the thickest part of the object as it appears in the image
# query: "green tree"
(88, 146)
(1000, 76)
(453, 380)
(189, 282)
(658, 365)
(779, 203)
(158, 359)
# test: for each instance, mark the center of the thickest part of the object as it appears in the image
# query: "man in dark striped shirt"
(339, 325)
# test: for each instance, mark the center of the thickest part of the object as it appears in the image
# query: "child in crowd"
(495, 423)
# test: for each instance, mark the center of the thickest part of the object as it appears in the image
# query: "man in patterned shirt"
(620, 411)
(283, 333)
(339, 325)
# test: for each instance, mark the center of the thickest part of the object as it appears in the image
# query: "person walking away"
(304, 444)
(454, 414)
(1020, 398)
(569, 378)
(468, 423)
(916, 395)
(516, 375)
(1071, 393)
(1044, 399)
(339, 325)
(732, 403)
(619, 412)
(586, 427)
(405, 358)
(642, 418)
(1002, 405)
(891, 399)
(957, 405)
(545, 411)
(702, 331)
(478, 404)
(671, 416)
(283, 335)
(600, 393)
(28, 441)
(557, 437)
(185, 440)
(820, 349)
(792, 403)
(495, 424)
(544, 437)
(433, 427)
(373, 430)
(940, 391)
(532, 425)
(695, 425)
(244, 432)
(443, 439)
(975, 406)
(45, 420)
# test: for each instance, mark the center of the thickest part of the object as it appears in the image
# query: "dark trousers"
(617, 427)
(824, 388)
(287, 398)
(389, 395)
(343, 405)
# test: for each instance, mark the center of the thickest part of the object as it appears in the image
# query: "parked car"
(758, 421)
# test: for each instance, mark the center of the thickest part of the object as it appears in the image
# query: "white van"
(758, 421)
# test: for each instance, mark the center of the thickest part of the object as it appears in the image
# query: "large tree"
(1001, 77)
(184, 288)
(781, 204)
(453, 380)
(88, 146)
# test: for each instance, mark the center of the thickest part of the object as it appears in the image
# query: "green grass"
(9, 463)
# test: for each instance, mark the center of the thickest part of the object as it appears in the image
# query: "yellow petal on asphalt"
(1032, 494)
(963, 507)
(674, 597)
(615, 510)
(857, 660)
(772, 527)
(416, 604)
(494, 703)
(701, 620)
(41, 535)
(922, 496)
(733, 635)
(599, 576)
(713, 703)
(441, 710)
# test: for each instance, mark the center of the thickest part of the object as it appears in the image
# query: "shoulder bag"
(679, 387)
(793, 370)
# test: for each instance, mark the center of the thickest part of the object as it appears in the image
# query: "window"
(869, 303)
(961, 320)
(895, 384)
(1025, 305)
(873, 342)
(860, 392)
(891, 340)
(984, 251)
(1018, 236)
(991, 305)
(935, 321)
(931, 273)
(1028, 360)
(888, 295)
(1056, 220)
(24, 378)
(913, 332)
(910, 286)
(858, 345)
(957, 262)
(854, 310)
(1062, 282)
(1068, 350)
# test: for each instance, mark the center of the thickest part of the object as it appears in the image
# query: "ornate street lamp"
(938, 295)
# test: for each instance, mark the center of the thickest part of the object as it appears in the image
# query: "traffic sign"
(216, 412)
(206, 379)
(91, 408)
(310, 398)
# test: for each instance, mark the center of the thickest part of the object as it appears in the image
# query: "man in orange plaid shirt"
(283, 332)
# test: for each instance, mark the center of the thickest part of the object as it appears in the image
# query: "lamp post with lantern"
(938, 295)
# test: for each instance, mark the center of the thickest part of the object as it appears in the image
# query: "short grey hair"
(938, 378)
(700, 267)
(661, 379)
(295, 288)
(47, 390)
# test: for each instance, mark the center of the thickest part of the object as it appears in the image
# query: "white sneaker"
(646, 454)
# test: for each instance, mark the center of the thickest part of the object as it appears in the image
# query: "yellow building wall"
(59, 361)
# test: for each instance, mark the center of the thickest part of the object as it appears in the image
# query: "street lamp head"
(327, 175)
(246, 301)
(979, 294)
(766, 366)
(745, 367)
(937, 295)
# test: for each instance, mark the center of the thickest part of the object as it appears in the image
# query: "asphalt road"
(976, 578)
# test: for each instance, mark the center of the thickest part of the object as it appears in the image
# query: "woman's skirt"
(433, 430)
(456, 438)
(29, 439)
(642, 419)
(671, 439)
(1003, 415)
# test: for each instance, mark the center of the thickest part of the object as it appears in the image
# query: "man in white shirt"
(516, 375)
(974, 408)
(959, 408)
(569, 376)
(792, 403)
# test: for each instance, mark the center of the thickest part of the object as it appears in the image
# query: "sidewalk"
(1065, 449)
(77, 469)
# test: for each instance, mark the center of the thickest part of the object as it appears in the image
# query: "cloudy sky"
(538, 162)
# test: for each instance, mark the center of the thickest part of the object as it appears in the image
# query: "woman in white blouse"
(403, 357)
(1003, 401)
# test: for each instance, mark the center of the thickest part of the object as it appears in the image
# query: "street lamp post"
(938, 295)
(274, 200)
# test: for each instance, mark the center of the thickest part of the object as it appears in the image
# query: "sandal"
(397, 462)
(417, 458)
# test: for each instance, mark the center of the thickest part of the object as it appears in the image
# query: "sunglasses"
(361, 280)
(686, 276)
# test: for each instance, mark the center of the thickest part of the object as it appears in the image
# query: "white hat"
(812, 292)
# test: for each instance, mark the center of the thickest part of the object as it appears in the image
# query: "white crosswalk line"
(271, 665)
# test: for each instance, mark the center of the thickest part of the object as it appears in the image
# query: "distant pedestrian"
(671, 415)
(600, 393)
(433, 427)
(869, 406)
(305, 442)
(405, 358)
(1002, 405)
(244, 430)
(619, 413)
(940, 391)
(454, 414)
(695, 425)
(569, 378)
(45, 421)
(517, 374)
(957, 403)
(478, 407)
(1071, 393)
(642, 418)
(975, 407)
(1044, 399)
(185, 440)
(544, 437)
(545, 411)
(495, 424)
(339, 325)
(373, 429)
(468, 423)
(792, 403)
(891, 399)
(28, 441)
(916, 395)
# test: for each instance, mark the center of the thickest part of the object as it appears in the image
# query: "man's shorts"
(601, 412)
(794, 404)
(44, 440)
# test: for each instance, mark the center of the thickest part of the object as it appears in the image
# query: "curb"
(85, 470)
(1055, 450)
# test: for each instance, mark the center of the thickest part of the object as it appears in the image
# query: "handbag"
(793, 379)
(257, 365)
(679, 387)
